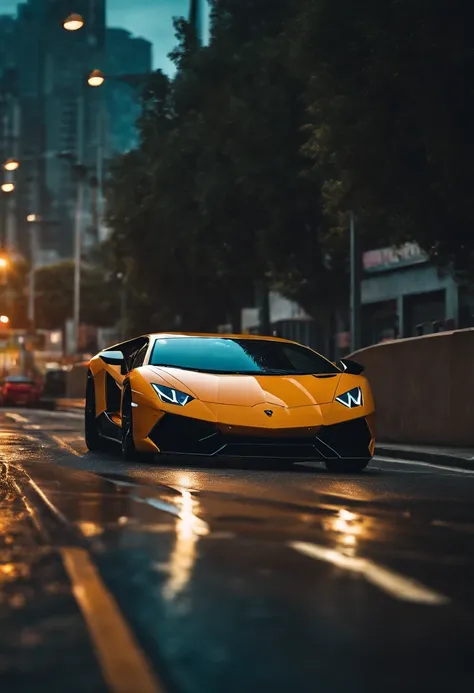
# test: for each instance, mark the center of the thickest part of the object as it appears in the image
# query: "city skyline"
(149, 19)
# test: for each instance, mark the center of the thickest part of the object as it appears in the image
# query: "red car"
(19, 390)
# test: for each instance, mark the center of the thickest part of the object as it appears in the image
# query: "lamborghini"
(228, 396)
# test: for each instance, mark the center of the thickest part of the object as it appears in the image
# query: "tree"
(216, 197)
(390, 112)
(54, 297)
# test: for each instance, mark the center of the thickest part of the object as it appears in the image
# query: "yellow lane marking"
(124, 666)
(18, 418)
(393, 583)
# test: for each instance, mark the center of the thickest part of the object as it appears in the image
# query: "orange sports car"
(225, 396)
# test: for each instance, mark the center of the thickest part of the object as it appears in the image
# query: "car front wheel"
(346, 466)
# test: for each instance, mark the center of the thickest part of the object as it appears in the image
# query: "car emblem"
(268, 412)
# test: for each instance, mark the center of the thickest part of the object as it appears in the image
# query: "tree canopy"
(252, 155)
(55, 296)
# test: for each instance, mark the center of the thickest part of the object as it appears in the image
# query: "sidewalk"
(449, 457)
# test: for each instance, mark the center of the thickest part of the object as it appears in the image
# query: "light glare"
(96, 78)
(11, 165)
(73, 23)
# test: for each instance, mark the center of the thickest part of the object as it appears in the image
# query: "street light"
(73, 23)
(4, 319)
(11, 165)
(8, 187)
(136, 79)
(3, 263)
(96, 78)
(33, 217)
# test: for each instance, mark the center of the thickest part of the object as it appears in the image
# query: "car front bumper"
(181, 435)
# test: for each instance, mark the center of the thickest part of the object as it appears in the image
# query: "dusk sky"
(151, 19)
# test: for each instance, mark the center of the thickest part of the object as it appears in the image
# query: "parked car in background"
(19, 390)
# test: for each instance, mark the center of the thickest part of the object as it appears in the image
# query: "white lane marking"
(123, 663)
(456, 470)
(394, 584)
(18, 418)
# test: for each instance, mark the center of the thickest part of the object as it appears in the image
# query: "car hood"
(251, 390)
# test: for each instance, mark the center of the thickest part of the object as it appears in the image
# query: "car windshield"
(239, 356)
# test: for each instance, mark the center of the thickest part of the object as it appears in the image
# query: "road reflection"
(189, 530)
(346, 526)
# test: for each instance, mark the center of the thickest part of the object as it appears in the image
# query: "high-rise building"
(127, 58)
(62, 115)
(7, 41)
(58, 114)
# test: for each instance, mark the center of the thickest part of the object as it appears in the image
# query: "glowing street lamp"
(33, 217)
(4, 319)
(73, 23)
(11, 165)
(3, 263)
(8, 187)
(96, 78)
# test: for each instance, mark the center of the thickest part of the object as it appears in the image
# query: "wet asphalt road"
(228, 580)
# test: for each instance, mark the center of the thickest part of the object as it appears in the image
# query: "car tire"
(346, 466)
(129, 452)
(92, 435)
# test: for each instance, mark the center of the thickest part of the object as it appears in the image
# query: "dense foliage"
(296, 112)
(55, 296)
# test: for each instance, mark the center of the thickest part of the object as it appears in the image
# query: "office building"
(58, 115)
(128, 62)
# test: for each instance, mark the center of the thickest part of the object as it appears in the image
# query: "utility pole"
(263, 304)
(356, 276)
(195, 18)
(33, 228)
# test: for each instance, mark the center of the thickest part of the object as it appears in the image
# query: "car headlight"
(351, 399)
(169, 395)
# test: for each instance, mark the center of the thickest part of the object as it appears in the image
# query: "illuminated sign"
(391, 258)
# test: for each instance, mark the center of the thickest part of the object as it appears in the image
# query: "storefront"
(404, 295)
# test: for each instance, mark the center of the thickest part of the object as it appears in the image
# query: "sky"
(151, 19)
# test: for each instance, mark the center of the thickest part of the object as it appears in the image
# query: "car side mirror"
(351, 367)
(113, 358)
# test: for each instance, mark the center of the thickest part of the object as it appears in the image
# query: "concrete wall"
(423, 388)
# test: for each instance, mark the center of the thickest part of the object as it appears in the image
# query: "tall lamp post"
(80, 171)
(96, 79)
(33, 221)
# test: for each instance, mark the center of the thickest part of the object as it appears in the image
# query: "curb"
(425, 456)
